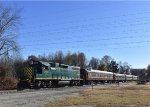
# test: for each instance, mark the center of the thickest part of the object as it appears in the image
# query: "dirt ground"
(38, 98)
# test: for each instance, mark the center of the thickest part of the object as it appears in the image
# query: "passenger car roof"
(98, 71)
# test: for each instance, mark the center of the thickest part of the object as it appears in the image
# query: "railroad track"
(32, 90)
(61, 88)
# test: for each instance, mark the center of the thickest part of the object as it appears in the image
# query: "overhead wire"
(101, 45)
(123, 32)
(84, 20)
(91, 40)
(84, 27)
(84, 49)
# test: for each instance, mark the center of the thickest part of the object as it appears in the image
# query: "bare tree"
(9, 22)
(43, 57)
(81, 59)
(50, 57)
(74, 59)
(19, 64)
(71, 59)
(67, 59)
(148, 72)
(94, 63)
(59, 57)
(124, 68)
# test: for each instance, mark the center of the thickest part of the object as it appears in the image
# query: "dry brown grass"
(136, 95)
(7, 83)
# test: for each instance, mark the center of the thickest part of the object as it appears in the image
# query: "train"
(97, 76)
(49, 74)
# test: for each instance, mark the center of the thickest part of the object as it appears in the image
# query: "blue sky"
(118, 29)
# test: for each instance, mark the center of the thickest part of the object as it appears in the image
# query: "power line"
(89, 45)
(95, 49)
(84, 20)
(81, 29)
(124, 32)
(135, 24)
(91, 40)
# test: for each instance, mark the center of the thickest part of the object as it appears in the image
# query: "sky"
(118, 29)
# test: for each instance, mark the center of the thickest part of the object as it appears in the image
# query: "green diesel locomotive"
(48, 74)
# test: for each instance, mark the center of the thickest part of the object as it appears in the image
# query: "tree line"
(106, 63)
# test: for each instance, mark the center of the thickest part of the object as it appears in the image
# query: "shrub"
(7, 83)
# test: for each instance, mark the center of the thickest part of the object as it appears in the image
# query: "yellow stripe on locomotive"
(28, 72)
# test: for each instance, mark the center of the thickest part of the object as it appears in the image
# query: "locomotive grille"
(28, 72)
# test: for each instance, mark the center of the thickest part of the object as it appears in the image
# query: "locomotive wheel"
(71, 83)
(80, 82)
(54, 83)
(48, 84)
(76, 83)
(37, 85)
(19, 86)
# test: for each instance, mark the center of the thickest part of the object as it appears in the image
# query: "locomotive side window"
(38, 70)
(46, 67)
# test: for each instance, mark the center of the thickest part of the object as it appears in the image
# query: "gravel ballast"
(38, 98)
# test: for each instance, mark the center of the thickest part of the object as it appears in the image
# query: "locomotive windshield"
(52, 64)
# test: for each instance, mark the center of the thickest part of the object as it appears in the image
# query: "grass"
(136, 95)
